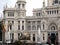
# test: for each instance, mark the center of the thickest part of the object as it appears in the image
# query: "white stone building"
(46, 18)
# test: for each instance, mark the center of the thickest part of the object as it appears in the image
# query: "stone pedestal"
(52, 44)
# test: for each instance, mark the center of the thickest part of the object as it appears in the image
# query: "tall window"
(38, 14)
(33, 37)
(50, 12)
(10, 27)
(10, 13)
(23, 27)
(18, 27)
(19, 5)
(43, 26)
(23, 5)
(57, 11)
(43, 37)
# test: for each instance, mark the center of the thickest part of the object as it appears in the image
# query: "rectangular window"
(57, 11)
(23, 5)
(37, 14)
(43, 37)
(10, 13)
(43, 26)
(10, 27)
(18, 27)
(50, 12)
(23, 27)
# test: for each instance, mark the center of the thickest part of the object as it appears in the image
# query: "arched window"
(43, 26)
(53, 28)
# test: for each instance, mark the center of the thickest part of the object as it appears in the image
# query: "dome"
(21, 0)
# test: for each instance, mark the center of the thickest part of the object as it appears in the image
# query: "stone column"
(20, 24)
(31, 38)
(41, 26)
(36, 37)
(36, 25)
(15, 36)
(31, 25)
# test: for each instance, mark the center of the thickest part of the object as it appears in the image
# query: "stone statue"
(38, 36)
(8, 39)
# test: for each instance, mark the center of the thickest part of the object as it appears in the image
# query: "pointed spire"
(5, 5)
(44, 3)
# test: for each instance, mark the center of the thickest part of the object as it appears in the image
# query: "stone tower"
(21, 6)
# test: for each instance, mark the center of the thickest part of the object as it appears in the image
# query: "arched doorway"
(53, 38)
(52, 34)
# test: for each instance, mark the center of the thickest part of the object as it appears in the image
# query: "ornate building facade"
(46, 18)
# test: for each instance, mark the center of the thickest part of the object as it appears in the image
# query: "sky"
(29, 5)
